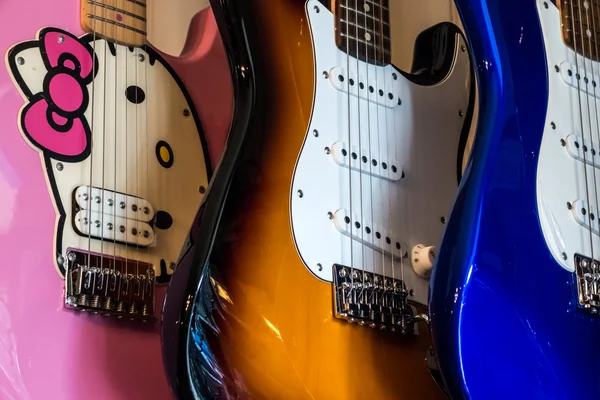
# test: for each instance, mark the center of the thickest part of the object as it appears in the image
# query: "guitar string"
(115, 155)
(137, 168)
(92, 129)
(370, 232)
(103, 168)
(594, 84)
(359, 158)
(147, 151)
(127, 191)
(581, 119)
(351, 217)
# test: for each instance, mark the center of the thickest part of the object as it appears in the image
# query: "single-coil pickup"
(369, 234)
(377, 89)
(585, 215)
(580, 79)
(366, 163)
(109, 202)
(113, 228)
(583, 150)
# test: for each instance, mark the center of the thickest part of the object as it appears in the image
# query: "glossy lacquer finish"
(504, 318)
(261, 325)
(46, 351)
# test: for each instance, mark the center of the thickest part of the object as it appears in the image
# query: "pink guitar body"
(47, 135)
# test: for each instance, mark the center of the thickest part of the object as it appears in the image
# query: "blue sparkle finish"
(504, 317)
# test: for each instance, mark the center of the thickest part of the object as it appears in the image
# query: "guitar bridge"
(111, 286)
(371, 299)
(587, 272)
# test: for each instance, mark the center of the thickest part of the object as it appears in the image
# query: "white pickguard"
(421, 135)
(561, 171)
(126, 162)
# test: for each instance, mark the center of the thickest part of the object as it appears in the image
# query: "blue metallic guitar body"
(505, 319)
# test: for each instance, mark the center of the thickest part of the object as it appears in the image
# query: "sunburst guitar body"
(105, 157)
(307, 270)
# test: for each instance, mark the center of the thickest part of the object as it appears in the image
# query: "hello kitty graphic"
(120, 143)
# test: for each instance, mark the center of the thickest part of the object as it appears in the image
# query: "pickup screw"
(141, 58)
(343, 273)
(59, 166)
(20, 60)
(97, 199)
(146, 210)
(109, 226)
(110, 202)
(71, 257)
(85, 221)
(300, 193)
(122, 205)
(84, 196)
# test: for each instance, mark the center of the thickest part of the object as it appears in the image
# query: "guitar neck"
(119, 21)
(362, 30)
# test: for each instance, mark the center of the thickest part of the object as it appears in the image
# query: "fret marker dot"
(367, 36)
(588, 33)
(586, 5)
(119, 17)
(366, 7)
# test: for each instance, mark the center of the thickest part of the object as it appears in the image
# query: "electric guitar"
(307, 267)
(103, 165)
(514, 293)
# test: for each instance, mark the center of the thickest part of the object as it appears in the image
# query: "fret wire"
(119, 10)
(120, 25)
(365, 42)
(350, 26)
(138, 2)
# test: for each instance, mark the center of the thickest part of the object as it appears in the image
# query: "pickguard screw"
(186, 112)
(545, 5)
(327, 150)
(300, 193)
(411, 292)
(461, 113)
(20, 60)
(172, 266)
(317, 9)
(556, 68)
(552, 125)
(443, 220)
(141, 58)
(61, 39)
(202, 189)
(395, 76)
(569, 205)
(319, 267)
(562, 142)
(315, 133)
(60, 259)
(463, 48)
(330, 215)
(326, 74)
(59, 166)
(564, 256)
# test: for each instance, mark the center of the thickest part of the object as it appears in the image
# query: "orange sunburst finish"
(272, 331)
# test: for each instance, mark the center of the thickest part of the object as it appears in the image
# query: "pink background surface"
(46, 351)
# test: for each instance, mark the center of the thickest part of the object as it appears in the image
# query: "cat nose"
(163, 220)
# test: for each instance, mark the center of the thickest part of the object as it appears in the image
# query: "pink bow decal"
(54, 118)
